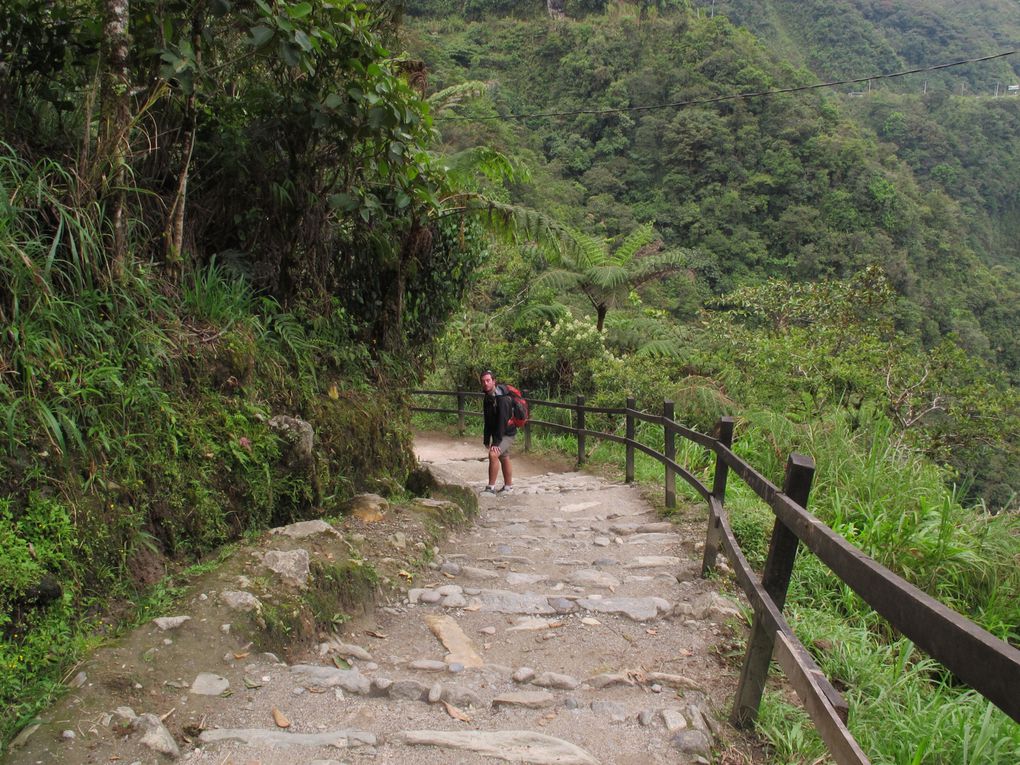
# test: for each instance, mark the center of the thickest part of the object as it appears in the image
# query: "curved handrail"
(989, 665)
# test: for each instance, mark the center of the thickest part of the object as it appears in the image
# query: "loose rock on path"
(567, 625)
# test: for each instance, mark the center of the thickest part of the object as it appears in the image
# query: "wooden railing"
(978, 658)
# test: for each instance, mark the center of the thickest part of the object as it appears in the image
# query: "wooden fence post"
(713, 537)
(527, 427)
(670, 452)
(580, 431)
(460, 411)
(629, 473)
(800, 469)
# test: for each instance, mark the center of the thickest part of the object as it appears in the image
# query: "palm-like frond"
(512, 223)
(449, 97)
(551, 312)
(630, 246)
(658, 265)
(645, 335)
(559, 279)
(589, 251)
(608, 278)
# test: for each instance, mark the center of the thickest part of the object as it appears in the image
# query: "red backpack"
(518, 408)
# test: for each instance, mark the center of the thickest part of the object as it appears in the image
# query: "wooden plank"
(763, 487)
(985, 663)
(669, 452)
(763, 605)
(831, 727)
(690, 435)
(775, 581)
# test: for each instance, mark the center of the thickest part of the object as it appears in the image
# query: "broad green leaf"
(260, 35)
(299, 11)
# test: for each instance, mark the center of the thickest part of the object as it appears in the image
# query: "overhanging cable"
(732, 96)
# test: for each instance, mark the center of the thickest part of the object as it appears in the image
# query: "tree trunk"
(116, 111)
(602, 310)
(556, 8)
(174, 234)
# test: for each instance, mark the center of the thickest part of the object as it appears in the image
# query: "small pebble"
(68, 735)
(455, 667)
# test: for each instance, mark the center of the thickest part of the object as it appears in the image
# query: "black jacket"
(496, 413)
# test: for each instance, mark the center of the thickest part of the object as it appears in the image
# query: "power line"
(732, 96)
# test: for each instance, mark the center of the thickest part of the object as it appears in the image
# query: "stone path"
(567, 625)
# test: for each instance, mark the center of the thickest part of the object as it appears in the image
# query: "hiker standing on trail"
(497, 409)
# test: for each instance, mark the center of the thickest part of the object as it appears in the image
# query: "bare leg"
(508, 473)
(493, 468)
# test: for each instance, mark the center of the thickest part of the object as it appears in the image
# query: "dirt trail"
(566, 625)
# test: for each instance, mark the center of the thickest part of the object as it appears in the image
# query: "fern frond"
(661, 348)
(659, 265)
(551, 312)
(590, 252)
(449, 97)
(558, 279)
(635, 240)
(608, 278)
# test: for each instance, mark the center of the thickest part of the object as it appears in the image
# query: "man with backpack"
(498, 416)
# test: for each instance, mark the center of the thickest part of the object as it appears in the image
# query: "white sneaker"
(506, 490)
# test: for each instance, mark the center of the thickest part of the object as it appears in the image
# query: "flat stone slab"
(508, 602)
(654, 561)
(507, 745)
(239, 600)
(342, 739)
(479, 574)
(578, 507)
(208, 684)
(167, 623)
(590, 577)
(638, 609)
(514, 579)
(303, 529)
(293, 566)
(526, 699)
(654, 538)
(461, 648)
(350, 680)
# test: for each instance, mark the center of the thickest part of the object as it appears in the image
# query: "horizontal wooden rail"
(987, 664)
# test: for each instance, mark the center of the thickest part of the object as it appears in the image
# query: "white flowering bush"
(564, 354)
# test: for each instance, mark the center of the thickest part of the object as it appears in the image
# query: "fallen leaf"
(244, 655)
(448, 575)
(341, 663)
(406, 575)
(315, 689)
(280, 719)
(455, 713)
(251, 684)
(650, 631)
(333, 393)
(373, 633)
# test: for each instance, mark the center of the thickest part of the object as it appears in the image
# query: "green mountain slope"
(790, 186)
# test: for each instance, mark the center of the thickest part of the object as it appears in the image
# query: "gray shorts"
(505, 445)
